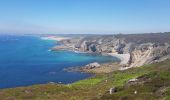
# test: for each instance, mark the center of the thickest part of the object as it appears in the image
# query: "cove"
(26, 60)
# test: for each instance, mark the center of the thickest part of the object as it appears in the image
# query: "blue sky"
(84, 16)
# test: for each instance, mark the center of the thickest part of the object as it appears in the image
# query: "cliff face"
(149, 54)
(143, 48)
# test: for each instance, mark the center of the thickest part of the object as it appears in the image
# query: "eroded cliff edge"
(142, 48)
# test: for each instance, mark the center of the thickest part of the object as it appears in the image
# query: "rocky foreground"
(141, 48)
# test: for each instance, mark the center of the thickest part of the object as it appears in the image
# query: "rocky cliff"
(143, 48)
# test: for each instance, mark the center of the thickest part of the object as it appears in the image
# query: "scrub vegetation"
(152, 83)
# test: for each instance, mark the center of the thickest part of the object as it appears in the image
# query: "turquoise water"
(26, 60)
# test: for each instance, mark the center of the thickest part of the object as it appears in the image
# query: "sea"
(27, 60)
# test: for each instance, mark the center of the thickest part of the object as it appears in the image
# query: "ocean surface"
(26, 60)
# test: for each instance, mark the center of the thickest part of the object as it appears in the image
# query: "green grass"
(159, 79)
(89, 82)
(96, 88)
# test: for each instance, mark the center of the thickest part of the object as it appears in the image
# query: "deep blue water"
(26, 60)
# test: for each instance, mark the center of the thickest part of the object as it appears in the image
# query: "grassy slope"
(96, 88)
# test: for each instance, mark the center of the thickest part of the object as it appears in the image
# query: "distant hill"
(159, 38)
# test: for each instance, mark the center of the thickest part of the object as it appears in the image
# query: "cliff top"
(160, 38)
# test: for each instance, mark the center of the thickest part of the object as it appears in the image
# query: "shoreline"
(103, 68)
(55, 38)
(106, 67)
(124, 58)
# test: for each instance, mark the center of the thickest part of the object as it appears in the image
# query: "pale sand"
(57, 38)
(123, 57)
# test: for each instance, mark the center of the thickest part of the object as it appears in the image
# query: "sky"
(84, 16)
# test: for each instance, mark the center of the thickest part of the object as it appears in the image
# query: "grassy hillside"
(153, 83)
(159, 38)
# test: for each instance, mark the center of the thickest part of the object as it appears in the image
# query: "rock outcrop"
(143, 48)
(92, 65)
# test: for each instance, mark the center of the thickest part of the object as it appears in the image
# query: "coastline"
(124, 58)
(55, 38)
(104, 67)
(110, 66)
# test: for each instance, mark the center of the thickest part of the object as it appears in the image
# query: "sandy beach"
(123, 57)
(57, 38)
(106, 67)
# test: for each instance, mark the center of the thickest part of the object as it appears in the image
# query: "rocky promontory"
(141, 48)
